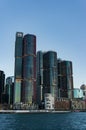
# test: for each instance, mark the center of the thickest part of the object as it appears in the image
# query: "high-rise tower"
(47, 81)
(39, 77)
(50, 73)
(29, 69)
(25, 68)
(18, 66)
(65, 79)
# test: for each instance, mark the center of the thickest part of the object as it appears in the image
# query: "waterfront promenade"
(32, 111)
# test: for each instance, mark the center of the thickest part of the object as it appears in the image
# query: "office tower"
(2, 83)
(18, 66)
(10, 89)
(25, 68)
(28, 94)
(65, 79)
(39, 77)
(50, 73)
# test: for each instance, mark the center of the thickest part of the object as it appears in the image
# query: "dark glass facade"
(2, 83)
(53, 76)
(10, 89)
(50, 73)
(39, 77)
(18, 55)
(25, 68)
(18, 66)
(65, 79)
(29, 69)
(47, 81)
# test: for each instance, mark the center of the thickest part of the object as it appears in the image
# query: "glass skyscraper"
(29, 69)
(65, 79)
(50, 73)
(46, 74)
(18, 66)
(39, 77)
(25, 68)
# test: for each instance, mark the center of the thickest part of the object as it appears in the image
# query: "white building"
(49, 101)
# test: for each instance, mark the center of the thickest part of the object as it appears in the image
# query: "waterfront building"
(18, 66)
(10, 89)
(39, 77)
(83, 88)
(2, 84)
(46, 75)
(25, 68)
(62, 104)
(50, 73)
(28, 91)
(78, 93)
(78, 104)
(49, 101)
(65, 79)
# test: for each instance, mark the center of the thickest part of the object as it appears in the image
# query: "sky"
(59, 25)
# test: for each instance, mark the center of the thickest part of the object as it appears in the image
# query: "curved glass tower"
(29, 69)
(25, 68)
(50, 73)
(18, 66)
(65, 79)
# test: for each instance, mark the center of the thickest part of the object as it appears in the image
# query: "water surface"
(43, 121)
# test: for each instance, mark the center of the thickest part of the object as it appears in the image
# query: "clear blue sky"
(59, 25)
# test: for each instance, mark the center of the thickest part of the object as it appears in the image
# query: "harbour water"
(43, 121)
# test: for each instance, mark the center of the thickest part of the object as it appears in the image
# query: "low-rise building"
(49, 101)
(78, 93)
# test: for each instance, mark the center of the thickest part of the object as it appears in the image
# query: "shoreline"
(30, 111)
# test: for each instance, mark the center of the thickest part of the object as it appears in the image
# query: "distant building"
(25, 68)
(4, 97)
(83, 88)
(65, 79)
(2, 84)
(78, 93)
(10, 89)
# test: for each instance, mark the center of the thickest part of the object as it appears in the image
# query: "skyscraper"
(65, 79)
(39, 77)
(25, 68)
(18, 66)
(50, 73)
(46, 75)
(29, 69)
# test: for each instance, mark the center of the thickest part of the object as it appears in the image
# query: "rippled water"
(43, 121)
